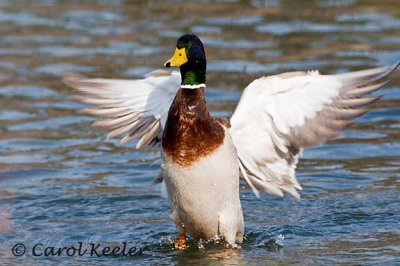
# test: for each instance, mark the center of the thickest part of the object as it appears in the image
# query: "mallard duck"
(203, 157)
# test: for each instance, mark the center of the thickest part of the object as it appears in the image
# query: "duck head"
(190, 57)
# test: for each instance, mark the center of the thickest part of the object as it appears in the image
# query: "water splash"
(166, 240)
(274, 244)
(279, 240)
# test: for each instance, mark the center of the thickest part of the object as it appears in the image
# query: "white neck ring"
(197, 86)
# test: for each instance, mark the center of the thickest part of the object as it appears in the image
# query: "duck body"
(276, 118)
(201, 171)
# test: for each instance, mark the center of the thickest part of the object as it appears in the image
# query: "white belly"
(204, 197)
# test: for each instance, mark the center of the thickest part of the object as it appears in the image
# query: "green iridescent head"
(190, 57)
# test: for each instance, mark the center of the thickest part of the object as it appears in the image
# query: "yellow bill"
(178, 59)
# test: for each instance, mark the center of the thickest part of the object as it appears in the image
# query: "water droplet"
(279, 240)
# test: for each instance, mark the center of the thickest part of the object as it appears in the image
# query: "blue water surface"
(62, 183)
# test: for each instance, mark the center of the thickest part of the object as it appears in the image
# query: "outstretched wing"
(129, 109)
(278, 116)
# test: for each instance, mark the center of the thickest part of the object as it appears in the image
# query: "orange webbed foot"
(228, 252)
(180, 243)
(235, 246)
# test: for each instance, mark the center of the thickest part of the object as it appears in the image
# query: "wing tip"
(71, 78)
(396, 65)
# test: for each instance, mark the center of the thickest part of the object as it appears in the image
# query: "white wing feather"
(130, 109)
(279, 115)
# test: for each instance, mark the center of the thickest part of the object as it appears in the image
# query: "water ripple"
(61, 182)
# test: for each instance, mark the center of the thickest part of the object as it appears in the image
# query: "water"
(61, 183)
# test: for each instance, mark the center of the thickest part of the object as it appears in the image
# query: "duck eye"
(180, 54)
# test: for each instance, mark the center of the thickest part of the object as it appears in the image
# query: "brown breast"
(190, 132)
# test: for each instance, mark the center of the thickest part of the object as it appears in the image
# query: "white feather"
(279, 115)
(132, 108)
